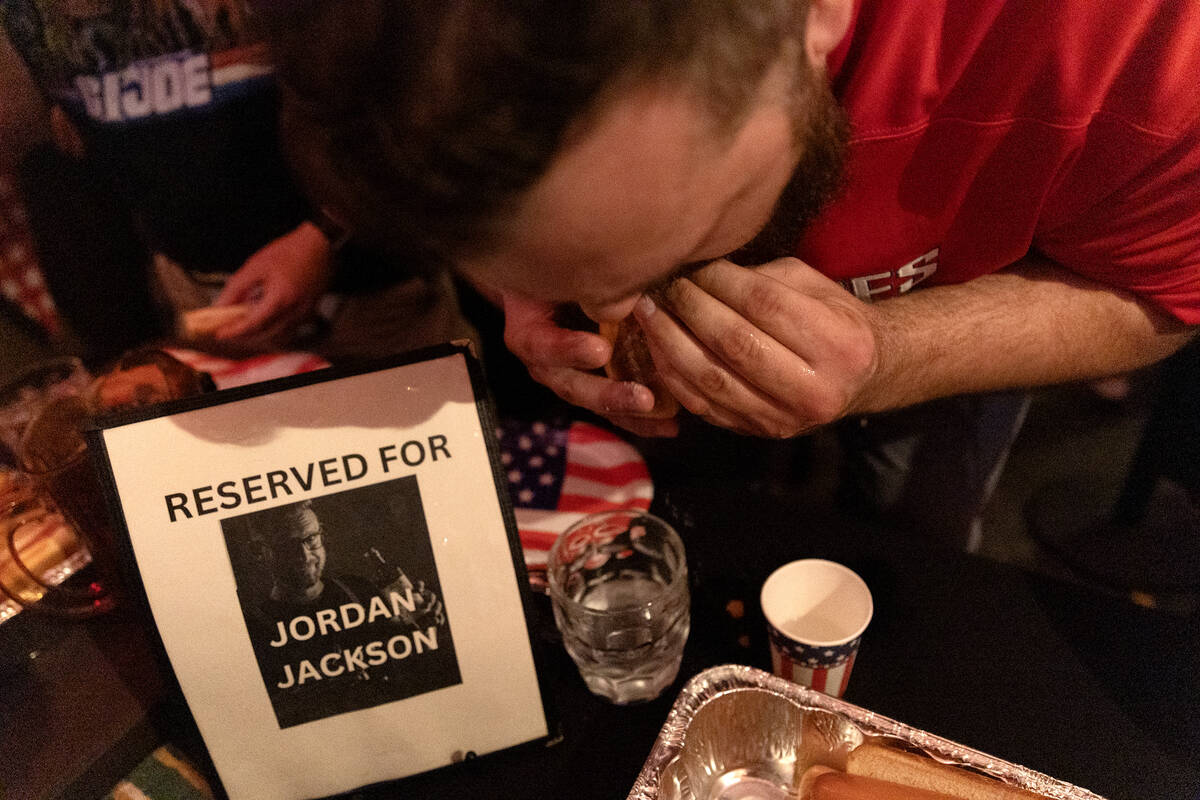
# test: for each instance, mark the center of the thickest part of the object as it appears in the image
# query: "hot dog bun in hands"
(631, 361)
(202, 323)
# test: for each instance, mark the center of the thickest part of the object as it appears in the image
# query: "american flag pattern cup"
(826, 669)
(816, 613)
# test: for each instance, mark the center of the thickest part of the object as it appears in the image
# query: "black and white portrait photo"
(341, 601)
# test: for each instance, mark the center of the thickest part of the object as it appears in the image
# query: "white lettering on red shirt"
(898, 281)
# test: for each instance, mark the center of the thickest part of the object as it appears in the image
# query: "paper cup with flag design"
(816, 613)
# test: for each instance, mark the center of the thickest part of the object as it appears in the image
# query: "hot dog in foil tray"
(736, 733)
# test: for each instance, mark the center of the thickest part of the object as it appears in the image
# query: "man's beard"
(822, 133)
(300, 577)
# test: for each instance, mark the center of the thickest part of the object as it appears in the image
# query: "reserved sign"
(333, 568)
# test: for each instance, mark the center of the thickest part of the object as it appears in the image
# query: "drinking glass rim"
(772, 617)
(71, 461)
(668, 590)
(52, 364)
(80, 451)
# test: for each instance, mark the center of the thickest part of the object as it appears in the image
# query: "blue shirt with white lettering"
(178, 109)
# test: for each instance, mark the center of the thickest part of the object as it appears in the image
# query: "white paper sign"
(332, 578)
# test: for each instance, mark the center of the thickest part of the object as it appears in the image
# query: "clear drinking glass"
(618, 584)
(44, 565)
(25, 395)
(55, 456)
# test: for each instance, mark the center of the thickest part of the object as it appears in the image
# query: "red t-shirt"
(987, 129)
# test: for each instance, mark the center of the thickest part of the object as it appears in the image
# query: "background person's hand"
(565, 361)
(282, 283)
(775, 350)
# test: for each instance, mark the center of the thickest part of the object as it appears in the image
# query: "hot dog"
(920, 772)
(631, 361)
(823, 783)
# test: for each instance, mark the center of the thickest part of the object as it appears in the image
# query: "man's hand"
(282, 282)
(565, 360)
(775, 351)
(429, 608)
(779, 349)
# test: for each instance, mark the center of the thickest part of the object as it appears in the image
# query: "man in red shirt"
(1035, 172)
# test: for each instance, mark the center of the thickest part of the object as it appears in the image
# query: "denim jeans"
(932, 468)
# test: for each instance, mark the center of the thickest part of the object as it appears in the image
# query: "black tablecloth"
(1085, 687)
(1088, 688)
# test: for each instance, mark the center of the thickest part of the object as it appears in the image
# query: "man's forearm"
(1031, 325)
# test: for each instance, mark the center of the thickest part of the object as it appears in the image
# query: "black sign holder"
(332, 565)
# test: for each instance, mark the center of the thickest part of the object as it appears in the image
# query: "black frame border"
(131, 574)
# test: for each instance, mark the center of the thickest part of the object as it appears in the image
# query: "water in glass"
(621, 603)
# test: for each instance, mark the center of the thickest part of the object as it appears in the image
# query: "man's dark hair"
(267, 525)
(419, 120)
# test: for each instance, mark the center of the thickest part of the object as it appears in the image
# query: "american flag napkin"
(229, 372)
(559, 472)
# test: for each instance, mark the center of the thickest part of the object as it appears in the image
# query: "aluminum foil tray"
(737, 733)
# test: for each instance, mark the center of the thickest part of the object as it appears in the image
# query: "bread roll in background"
(921, 772)
(202, 323)
(631, 361)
